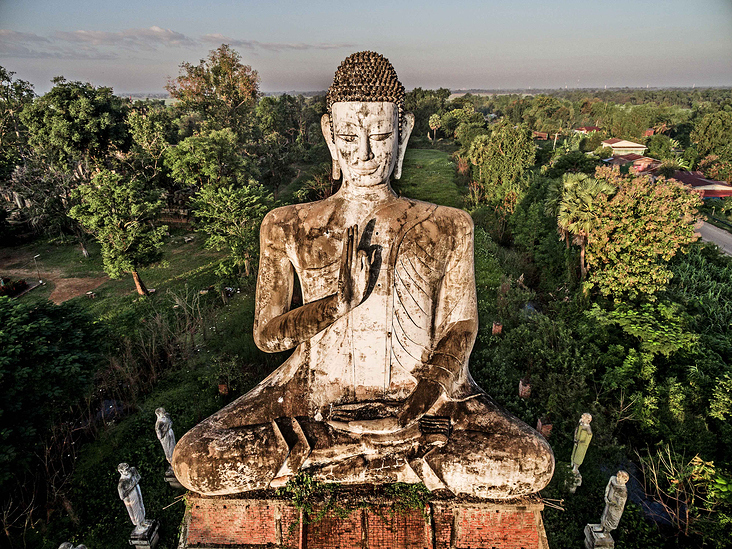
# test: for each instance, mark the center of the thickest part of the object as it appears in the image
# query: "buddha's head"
(586, 419)
(366, 128)
(160, 412)
(124, 469)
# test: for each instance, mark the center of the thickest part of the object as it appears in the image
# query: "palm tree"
(573, 200)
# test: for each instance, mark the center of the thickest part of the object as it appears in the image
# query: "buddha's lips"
(365, 170)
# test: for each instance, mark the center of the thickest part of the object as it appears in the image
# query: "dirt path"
(63, 288)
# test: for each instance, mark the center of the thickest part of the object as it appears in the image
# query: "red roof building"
(587, 129)
(708, 187)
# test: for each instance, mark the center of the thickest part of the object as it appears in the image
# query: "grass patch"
(429, 175)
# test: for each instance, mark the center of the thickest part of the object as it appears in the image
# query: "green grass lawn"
(429, 175)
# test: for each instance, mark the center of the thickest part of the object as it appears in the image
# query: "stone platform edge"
(241, 522)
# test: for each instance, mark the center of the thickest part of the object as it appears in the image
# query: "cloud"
(7, 35)
(138, 39)
(88, 44)
(269, 46)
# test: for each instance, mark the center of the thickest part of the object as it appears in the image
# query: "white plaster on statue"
(164, 432)
(377, 388)
(130, 493)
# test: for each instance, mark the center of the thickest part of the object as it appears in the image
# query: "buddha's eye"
(380, 136)
(347, 137)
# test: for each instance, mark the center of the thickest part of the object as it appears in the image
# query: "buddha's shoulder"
(290, 221)
(444, 217)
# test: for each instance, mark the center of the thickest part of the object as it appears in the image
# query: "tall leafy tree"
(712, 135)
(221, 89)
(231, 215)
(76, 124)
(639, 229)
(48, 356)
(502, 158)
(15, 94)
(212, 158)
(434, 123)
(120, 212)
(573, 200)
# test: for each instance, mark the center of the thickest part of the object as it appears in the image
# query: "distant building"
(709, 188)
(586, 129)
(540, 135)
(645, 165)
(623, 146)
(649, 132)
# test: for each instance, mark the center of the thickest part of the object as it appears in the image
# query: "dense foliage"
(48, 357)
(601, 299)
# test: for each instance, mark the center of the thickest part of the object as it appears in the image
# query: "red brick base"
(218, 523)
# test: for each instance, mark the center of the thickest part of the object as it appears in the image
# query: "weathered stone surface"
(377, 389)
(164, 432)
(582, 438)
(616, 494)
(596, 538)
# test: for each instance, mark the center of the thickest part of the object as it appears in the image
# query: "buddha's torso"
(372, 352)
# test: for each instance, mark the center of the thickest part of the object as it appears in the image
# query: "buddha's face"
(366, 140)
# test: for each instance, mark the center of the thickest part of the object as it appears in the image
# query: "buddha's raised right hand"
(353, 277)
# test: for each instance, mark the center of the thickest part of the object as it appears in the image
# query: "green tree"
(423, 104)
(640, 228)
(48, 356)
(45, 192)
(15, 94)
(659, 146)
(120, 212)
(214, 158)
(434, 123)
(153, 131)
(231, 216)
(502, 158)
(712, 133)
(76, 124)
(221, 89)
(573, 200)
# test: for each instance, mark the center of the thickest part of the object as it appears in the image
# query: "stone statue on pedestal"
(145, 532)
(130, 493)
(597, 536)
(582, 438)
(377, 389)
(164, 431)
(616, 494)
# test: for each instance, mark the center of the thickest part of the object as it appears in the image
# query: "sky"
(136, 45)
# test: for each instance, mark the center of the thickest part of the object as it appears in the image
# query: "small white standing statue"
(164, 430)
(145, 533)
(582, 438)
(616, 494)
(129, 492)
(597, 536)
(67, 545)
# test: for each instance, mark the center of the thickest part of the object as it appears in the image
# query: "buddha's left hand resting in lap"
(377, 389)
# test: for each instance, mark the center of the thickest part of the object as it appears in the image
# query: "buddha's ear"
(326, 124)
(404, 132)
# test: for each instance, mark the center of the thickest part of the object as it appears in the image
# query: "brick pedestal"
(218, 523)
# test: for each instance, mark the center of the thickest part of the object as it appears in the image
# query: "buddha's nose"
(364, 154)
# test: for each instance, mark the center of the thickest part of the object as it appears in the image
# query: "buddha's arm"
(456, 321)
(276, 328)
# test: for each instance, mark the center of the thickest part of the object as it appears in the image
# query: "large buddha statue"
(377, 389)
